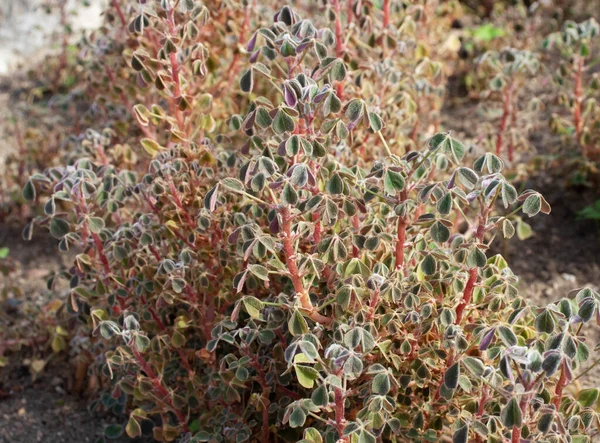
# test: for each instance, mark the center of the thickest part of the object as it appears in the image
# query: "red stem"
(400, 242)
(401, 235)
(516, 434)
(386, 13)
(159, 387)
(290, 258)
(340, 413)
(119, 13)
(577, 105)
(562, 382)
(470, 286)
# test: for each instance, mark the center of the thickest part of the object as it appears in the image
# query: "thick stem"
(467, 294)
(516, 434)
(562, 382)
(386, 13)
(401, 239)
(340, 413)
(290, 258)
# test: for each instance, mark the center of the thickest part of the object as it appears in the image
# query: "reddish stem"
(401, 235)
(400, 242)
(516, 434)
(119, 13)
(386, 13)
(340, 413)
(577, 105)
(562, 382)
(290, 258)
(467, 295)
(101, 255)
(159, 387)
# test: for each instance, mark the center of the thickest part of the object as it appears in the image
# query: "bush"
(262, 276)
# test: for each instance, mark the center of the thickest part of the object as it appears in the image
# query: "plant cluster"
(267, 234)
(576, 42)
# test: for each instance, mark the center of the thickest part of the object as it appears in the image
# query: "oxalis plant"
(270, 284)
(576, 43)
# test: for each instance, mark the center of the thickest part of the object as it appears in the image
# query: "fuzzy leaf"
(511, 414)
(451, 376)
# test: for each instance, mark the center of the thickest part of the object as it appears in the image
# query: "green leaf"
(439, 232)
(524, 231)
(335, 185)
(355, 110)
(507, 335)
(381, 384)
(142, 342)
(461, 435)
(474, 365)
(375, 122)
(297, 417)
(544, 322)
(133, 428)
(253, 306)
(532, 205)
(29, 191)
(587, 307)
(297, 324)
(311, 435)
(96, 224)
(306, 375)
(511, 414)
(4, 251)
(393, 182)
(488, 32)
(247, 81)
(476, 258)
(444, 204)
(508, 230)
(467, 177)
(113, 431)
(283, 122)
(428, 265)
(353, 367)
(545, 422)
(59, 228)
(150, 146)
(289, 196)
(263, 119)
(508, 194)
(588, 397)
(447, 144)
(233, 184)
(451, 376)
(300, 175)
(320, 397)
(338, 72)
